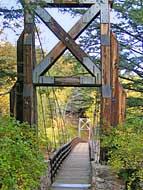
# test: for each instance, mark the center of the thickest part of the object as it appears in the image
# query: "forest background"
(128, 27)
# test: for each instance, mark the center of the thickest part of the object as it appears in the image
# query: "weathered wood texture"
(67, 81)
(68, 42)
(75, 171)
(114, 79)
(16, 95)
(20, 79)
(112, 111)
(121, 104)
(59, 49)
(118, 106)
(64, 3)
(113, 95)
(29, 91)
(106, 66)
(60, 155)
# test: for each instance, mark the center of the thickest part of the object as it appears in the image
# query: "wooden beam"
(106, 68)
(20, 79)
(114, 79)
(59, 49)
(29, 91)
(67, 81)
(63, 3)
(68, 41)
(16, 94)
(118, 94)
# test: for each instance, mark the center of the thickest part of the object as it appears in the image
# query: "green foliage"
(81, 100)
(7, 74)
(7, 64)
(128, 27)
(135, 101)
(21, 163)
(124, 145)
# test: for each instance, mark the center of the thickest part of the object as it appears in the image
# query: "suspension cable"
(52, 120)
(43, 114)
(64, 130)
(44, 121)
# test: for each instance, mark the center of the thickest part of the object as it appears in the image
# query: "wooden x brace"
(66, 41)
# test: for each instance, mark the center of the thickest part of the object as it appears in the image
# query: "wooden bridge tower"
(31, 75)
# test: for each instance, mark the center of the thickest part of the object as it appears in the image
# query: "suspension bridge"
(71, 163)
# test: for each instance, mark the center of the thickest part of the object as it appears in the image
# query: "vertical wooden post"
(16, 95)
(106, 65)
(114, 79)
(19, 82)
(29, 91)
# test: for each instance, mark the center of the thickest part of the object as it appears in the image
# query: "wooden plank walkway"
(75, 171)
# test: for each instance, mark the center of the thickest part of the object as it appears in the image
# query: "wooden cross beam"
(84, 125)
(68, 81)
(68, 41)
(59, 49)
(63, 3)
(35, 77)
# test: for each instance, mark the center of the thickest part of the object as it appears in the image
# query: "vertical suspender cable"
(63, 128)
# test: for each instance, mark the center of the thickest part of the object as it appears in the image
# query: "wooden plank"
(64, 3)
(70, 174)
(59, 49)
(68, 41)
(29, 91)
(67, 81)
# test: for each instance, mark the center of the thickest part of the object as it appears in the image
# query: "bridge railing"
(59, 156)
(94, 150)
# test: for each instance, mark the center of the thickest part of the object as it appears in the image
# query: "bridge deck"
(75, 171)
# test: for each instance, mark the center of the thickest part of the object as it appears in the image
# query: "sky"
(48, 39)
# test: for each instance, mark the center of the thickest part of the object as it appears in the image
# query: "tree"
(10, 14)
(7, 74)
(21, 162)
(7, 64)
(128, 26)
(129, 32)
(124, 145)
